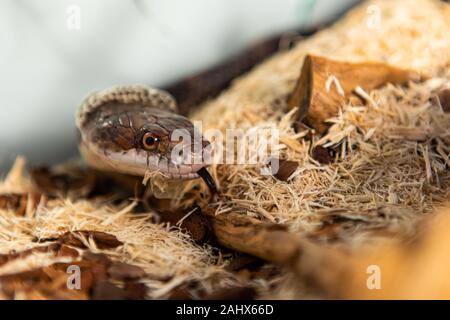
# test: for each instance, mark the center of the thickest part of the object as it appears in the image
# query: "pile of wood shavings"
(391, 152)
(166, 255)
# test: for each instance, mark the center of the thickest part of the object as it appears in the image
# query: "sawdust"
(162, 251)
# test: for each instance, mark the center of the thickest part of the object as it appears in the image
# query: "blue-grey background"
(47, 66)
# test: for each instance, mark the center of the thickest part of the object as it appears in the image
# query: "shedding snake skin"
(130, 129)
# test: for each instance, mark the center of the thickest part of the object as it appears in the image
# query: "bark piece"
(18, 202)
(105, 290)
(274, 243)
(205, 85)
(270, 242)
(196, 224)
(243, 261)
(66, 251)
(103, 240)
(322, 155)
(97, 257)
(180, 293)
(121, 271)
(266, 272)
(234, 293)
(4, 258)
(191, 91)
(135, 290)
(70, 182)
(325, 85)
(444, 99)
(286, 169)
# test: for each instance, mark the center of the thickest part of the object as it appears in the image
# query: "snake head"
(136, 129)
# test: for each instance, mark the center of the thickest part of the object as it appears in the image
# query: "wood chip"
(444, 99)
(266, 272)
(72, 183)
(192, 221)
(67, 252)
(135, 290)
(243, 261)
(97, 257)
(286, 169)
(180, 293)
(103, 240)
(322, 155)
(121, 271)
(105, 290)
(18, 202)
(324, 85)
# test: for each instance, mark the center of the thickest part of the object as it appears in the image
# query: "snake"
(129, 129)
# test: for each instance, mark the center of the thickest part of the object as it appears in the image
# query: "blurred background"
(52, 53)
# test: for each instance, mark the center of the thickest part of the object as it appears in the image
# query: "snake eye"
(150, 141)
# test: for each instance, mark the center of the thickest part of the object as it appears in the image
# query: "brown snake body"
(130, 129)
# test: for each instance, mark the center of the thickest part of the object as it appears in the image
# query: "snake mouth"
(138, 163)
(171, 170)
